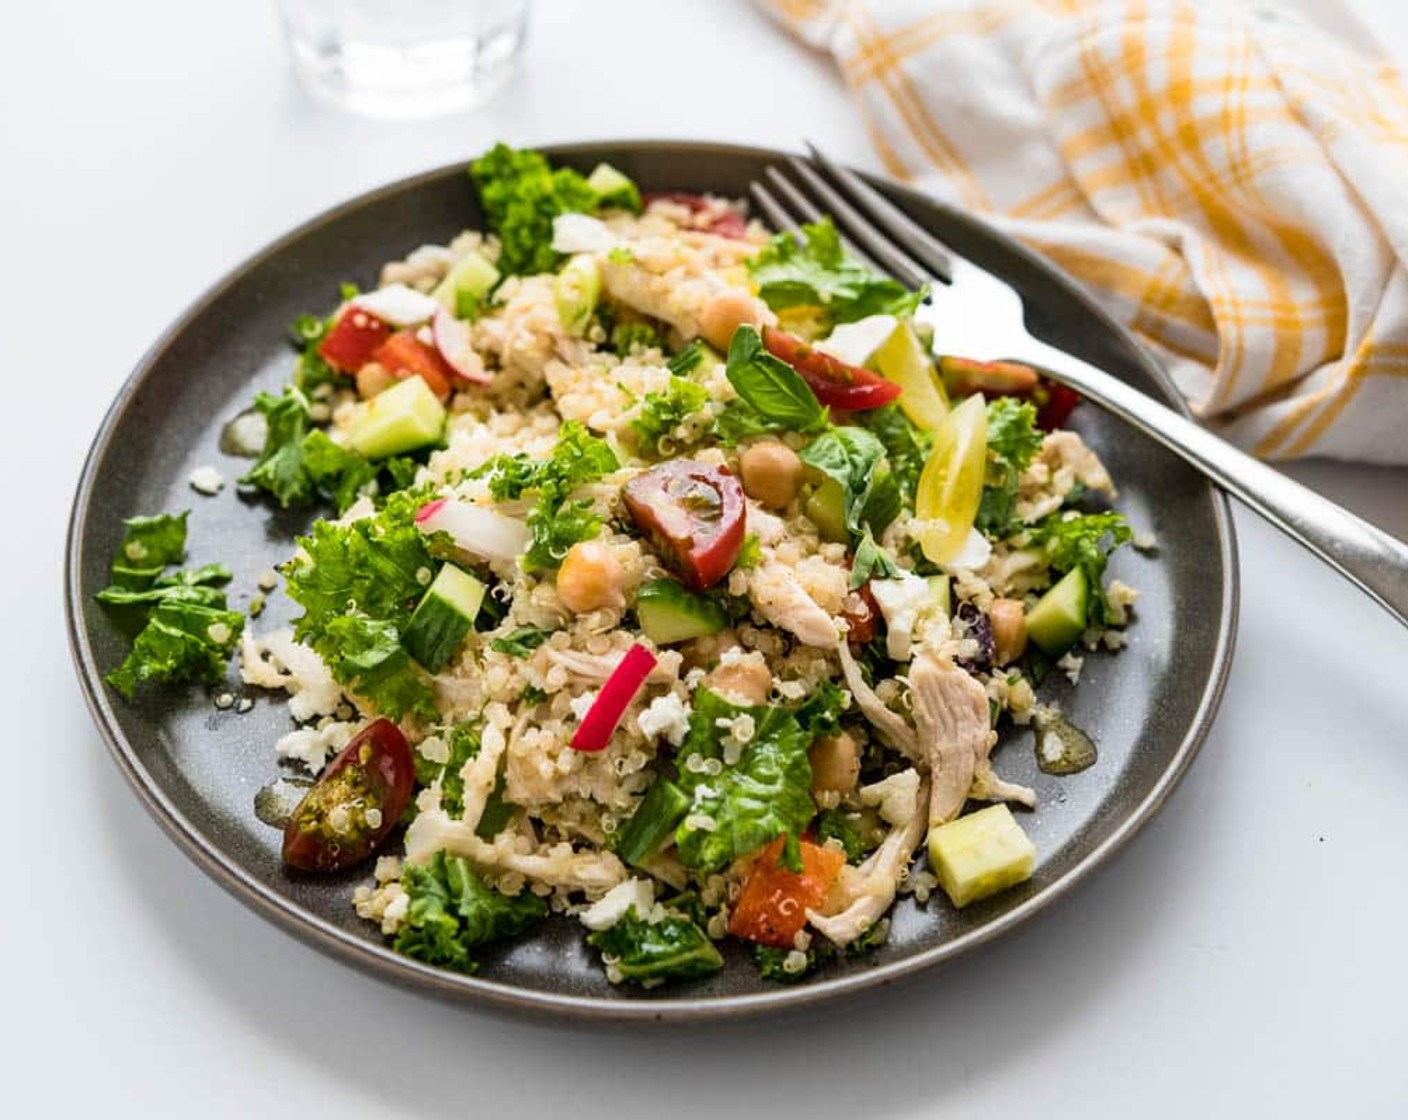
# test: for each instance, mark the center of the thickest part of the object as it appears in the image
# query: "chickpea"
(591, 577)
(372, 379)
(725, 313)
(771, 473)
(746, 681)
(835, 764)
(1009, 629)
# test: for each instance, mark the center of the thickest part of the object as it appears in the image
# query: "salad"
(665, 583)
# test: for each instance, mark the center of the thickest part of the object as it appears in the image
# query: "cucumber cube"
(405, 417)
(469, 280)
(1059, 617)
(669, 612)
(613, 188)
(445, 614)
(980, 854)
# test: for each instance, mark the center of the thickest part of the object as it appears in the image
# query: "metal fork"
(975, 314)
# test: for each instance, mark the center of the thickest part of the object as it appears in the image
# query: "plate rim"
(378, 959)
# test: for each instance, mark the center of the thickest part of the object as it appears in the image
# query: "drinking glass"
(404, 58)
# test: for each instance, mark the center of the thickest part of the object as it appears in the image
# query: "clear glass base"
(441, 75)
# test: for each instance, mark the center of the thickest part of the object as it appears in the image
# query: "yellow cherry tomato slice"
(952, 483)
(903, 360)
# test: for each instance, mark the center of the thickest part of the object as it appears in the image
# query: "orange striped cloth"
(1232, 182)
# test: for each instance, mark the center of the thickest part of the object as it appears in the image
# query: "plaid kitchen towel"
(1230, 180)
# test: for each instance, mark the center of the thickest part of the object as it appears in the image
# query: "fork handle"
(1364, 554)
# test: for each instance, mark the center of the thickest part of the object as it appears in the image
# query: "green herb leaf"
(871, 562)
(150, 545)
(452, 912)
(774, 390)
(647, 953)
(629, 337)
(832, 824)
(1013, 440)
(819, 273)
(520, 642)
(852, 457)
(181, 641)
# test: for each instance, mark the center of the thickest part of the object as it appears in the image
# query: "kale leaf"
(556, 523)
(650, 952)
(150, 545)
(1013, 441)
(662, 412)
(1084, 541)
(821, 274)
(521, 195)
(452, 912)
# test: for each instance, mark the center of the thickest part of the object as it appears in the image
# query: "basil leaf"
(773, 393)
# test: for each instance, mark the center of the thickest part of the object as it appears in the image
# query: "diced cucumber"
(465, 286)
(939, 589)
(576, 291)
(403, 418)
(653, 822)
(826, 506)
(442, 618)
(980, 854)
(1059, 617)
(669, 612)
(613, 188)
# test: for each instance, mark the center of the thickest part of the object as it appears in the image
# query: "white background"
(1245, 954)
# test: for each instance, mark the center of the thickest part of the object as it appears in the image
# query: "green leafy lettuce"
(765, 793)
(556, 522)
(1013, 440)
(358, 585)
(452, 912)
(772, 397)
(1084, 541)
(818, 272)
(906, 445)
(649, 952)
(186, 631)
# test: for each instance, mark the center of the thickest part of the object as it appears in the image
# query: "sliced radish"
(598, 725)
(452, 340)
(476, 530)
(398, 305)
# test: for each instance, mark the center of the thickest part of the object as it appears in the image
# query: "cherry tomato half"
(1054, 404)
(354, 805)
(772, 907)
(693, 515)
(836, 384)
(349, 345)
(404, 355)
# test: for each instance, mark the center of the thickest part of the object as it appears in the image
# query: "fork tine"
(808, 209)
(774, 211)
(922, 244)
(851, 222)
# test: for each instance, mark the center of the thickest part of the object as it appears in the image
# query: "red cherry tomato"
(772, 907)
(724, 223)
(693, 515)
(354, 805)
(349, 345)
(1055, 409)
(404, 355)
(836, 384)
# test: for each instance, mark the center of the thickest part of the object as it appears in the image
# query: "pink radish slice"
(452, 340)
(476, 530)
(598, 725)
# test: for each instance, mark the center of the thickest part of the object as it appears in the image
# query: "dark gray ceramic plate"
(198, 769)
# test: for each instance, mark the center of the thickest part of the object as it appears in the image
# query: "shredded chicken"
(556, 865)
(1063, 461)
(862, 894)
(780, 598)
(481, 772)
(951, 719)
(888, 723)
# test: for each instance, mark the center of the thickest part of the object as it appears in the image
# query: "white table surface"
(1245, 953)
